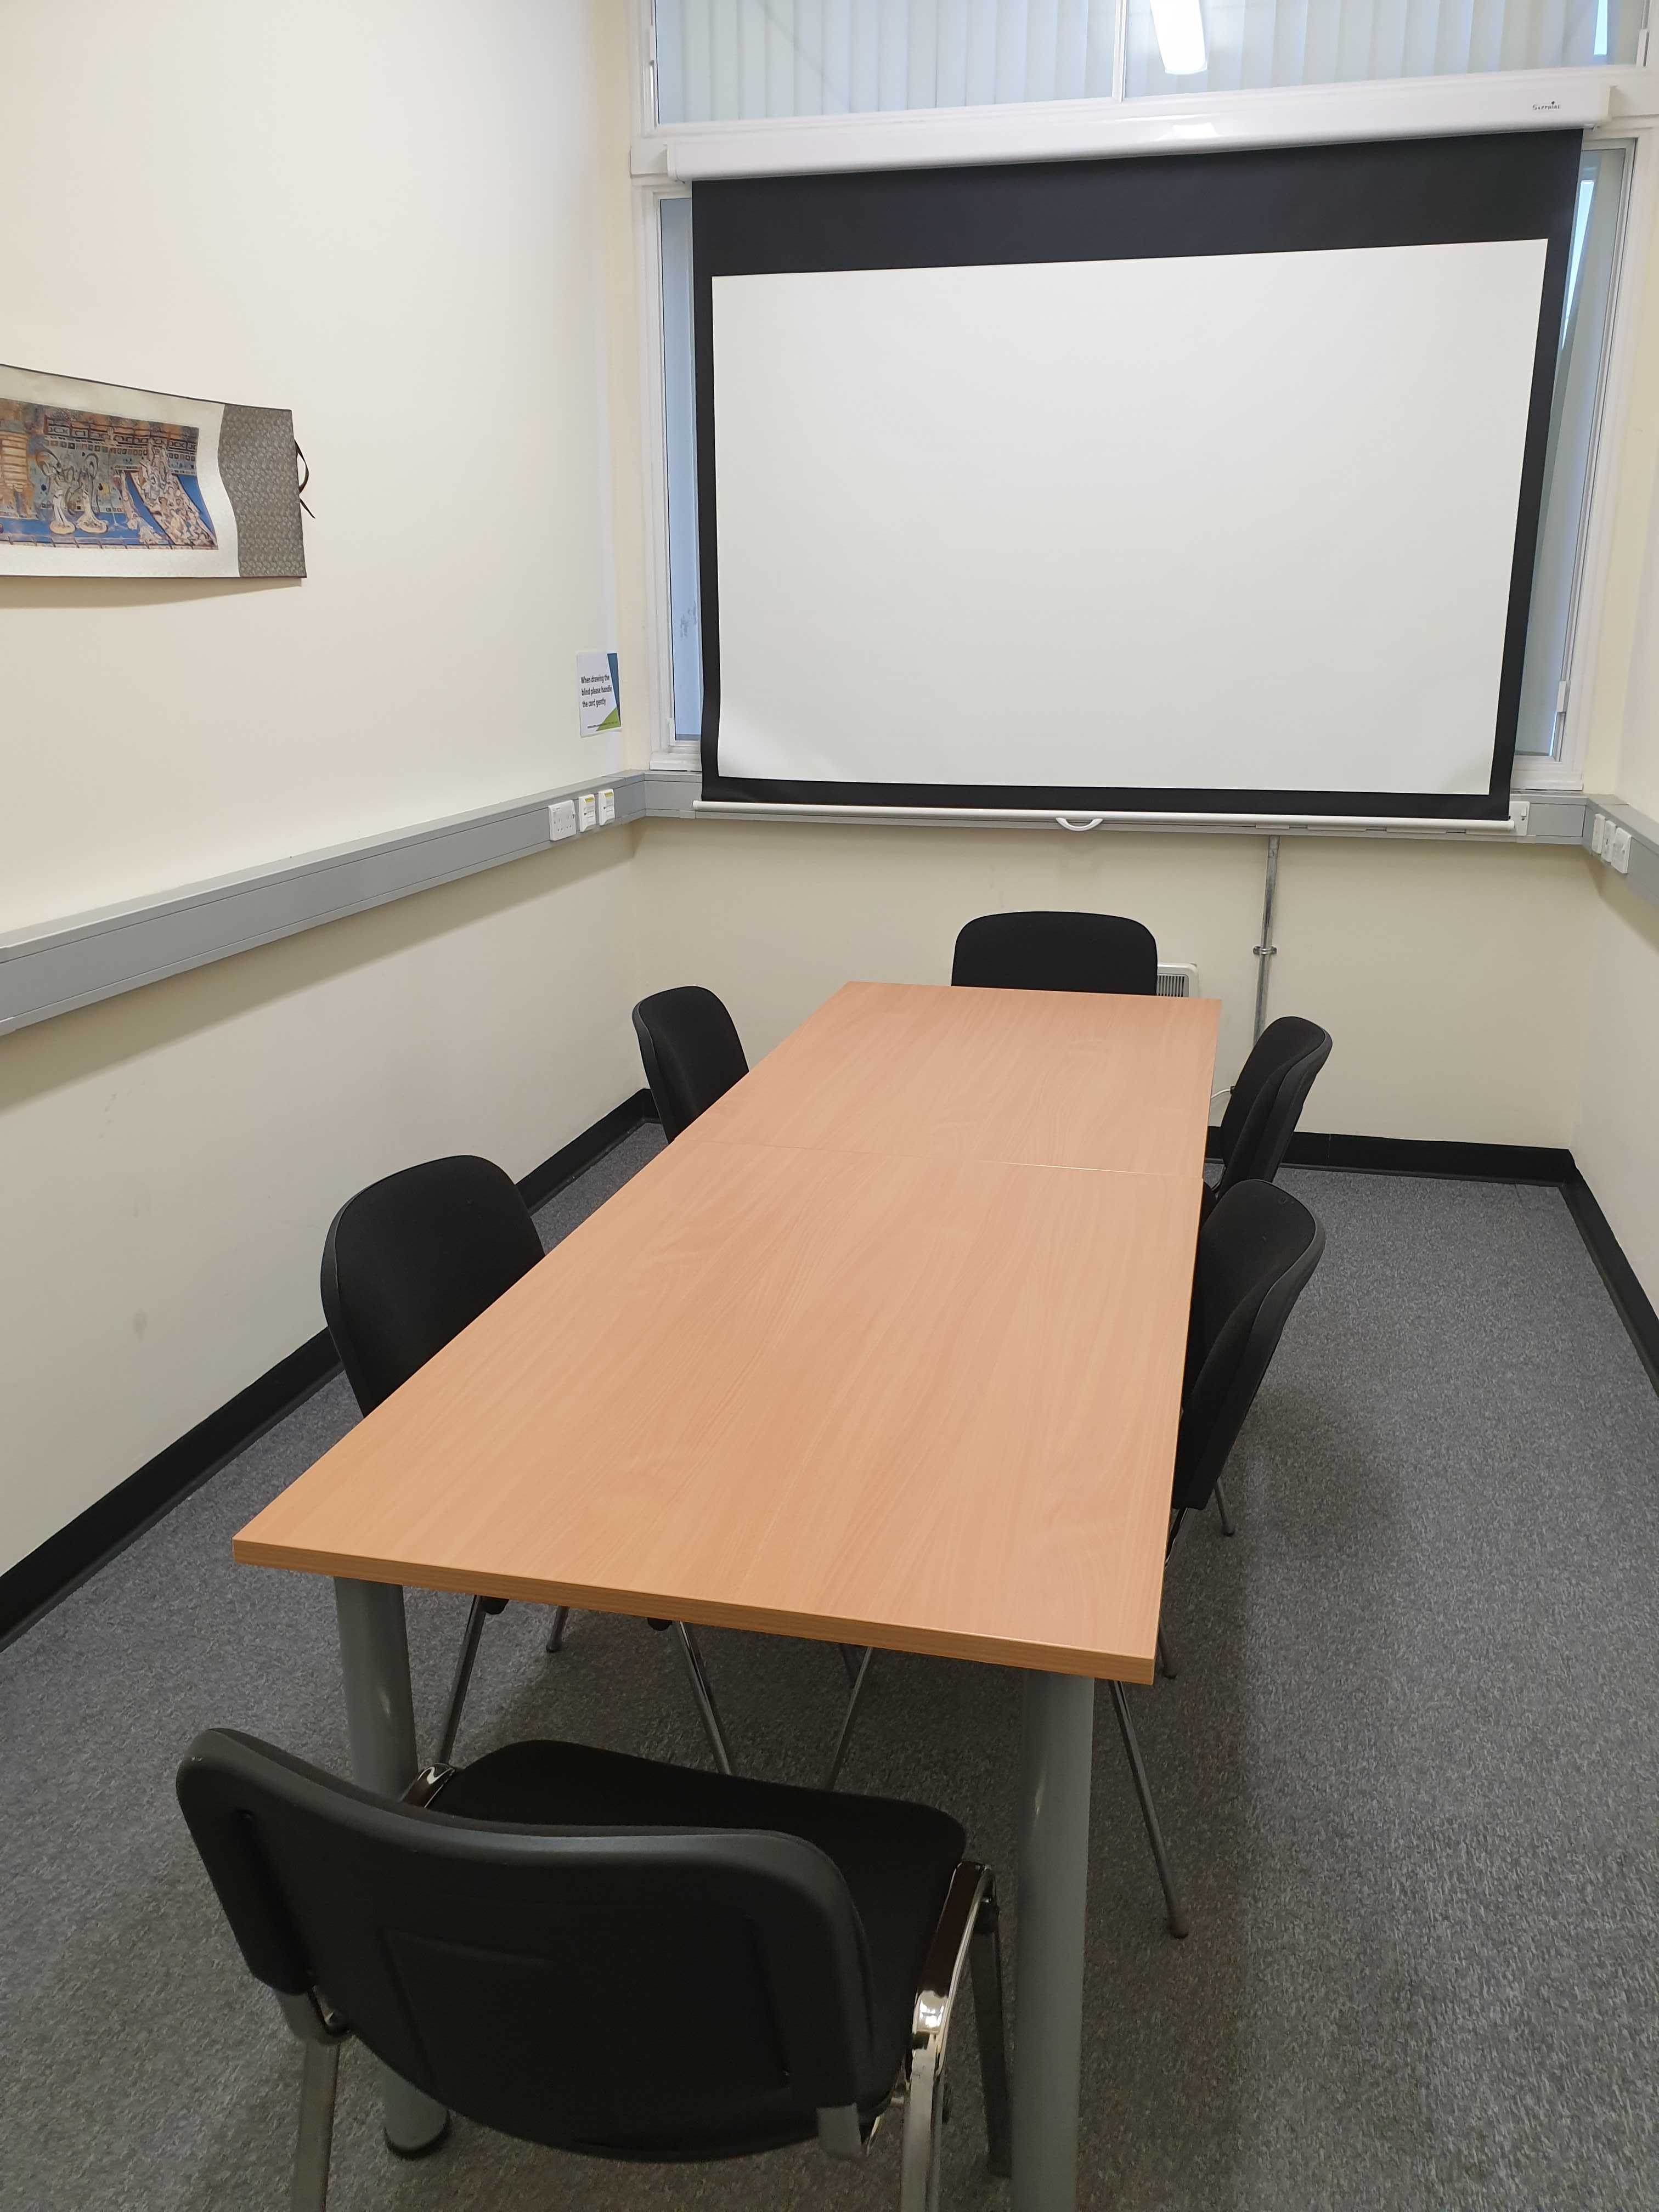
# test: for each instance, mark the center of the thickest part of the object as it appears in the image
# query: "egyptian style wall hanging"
(97, 480)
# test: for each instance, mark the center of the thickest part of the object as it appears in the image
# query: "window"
(735, 60)
(730, 60)
(1575, 417)
(680, 450)
(1242, 46)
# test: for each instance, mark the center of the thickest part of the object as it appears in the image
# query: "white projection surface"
(1243, 521)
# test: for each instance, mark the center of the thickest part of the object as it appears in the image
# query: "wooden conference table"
(886, 1349)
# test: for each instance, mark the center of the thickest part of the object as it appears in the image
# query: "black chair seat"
(896, 1859)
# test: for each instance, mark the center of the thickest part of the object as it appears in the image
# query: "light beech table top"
(886, 1349)
(1045, 1079)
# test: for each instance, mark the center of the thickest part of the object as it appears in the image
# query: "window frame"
(666, 160)
(1564, 769)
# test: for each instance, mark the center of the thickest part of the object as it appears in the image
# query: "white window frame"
(1564, 769)
(1617, 105)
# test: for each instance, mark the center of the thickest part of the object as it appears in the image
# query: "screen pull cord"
(1089, 822)
(1267, 949)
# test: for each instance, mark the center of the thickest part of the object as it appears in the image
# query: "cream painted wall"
(1638, 776)
(172, 1158)
(411, 223)
(1616, 1133)
(407, 221)
(353, 239)
(1616, 1141)
(1437, 967)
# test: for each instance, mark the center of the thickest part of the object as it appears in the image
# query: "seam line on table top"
(948, 1159)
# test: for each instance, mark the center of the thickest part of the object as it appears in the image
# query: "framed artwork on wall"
(101, 480)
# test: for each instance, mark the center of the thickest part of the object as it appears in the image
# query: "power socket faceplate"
(561, 819)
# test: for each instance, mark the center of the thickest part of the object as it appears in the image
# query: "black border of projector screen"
(1282, 200)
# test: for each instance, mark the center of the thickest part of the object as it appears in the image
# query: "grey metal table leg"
(381, 1731)
(1056, 1757)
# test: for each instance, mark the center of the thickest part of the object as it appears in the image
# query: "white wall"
(1616, 1139)
(173, 1158)
(391, 216)
(409, 222)
(1638, 775)
(1436, 967)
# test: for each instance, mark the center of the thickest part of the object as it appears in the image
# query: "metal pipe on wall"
(1266, 949)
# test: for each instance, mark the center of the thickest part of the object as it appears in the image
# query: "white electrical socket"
(607, 807)
(1599, 835)
(561, 819)
(1621, 850)
(588, 813)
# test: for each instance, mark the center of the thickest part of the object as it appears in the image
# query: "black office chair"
(1255, 1253)
(1266, 1102)
(609, 1955)
(1056, 952)
(1261, 1120)
(408, 1263)
(691, 1051)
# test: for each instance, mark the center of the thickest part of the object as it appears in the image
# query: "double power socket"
(568, 818)
(1610, 841)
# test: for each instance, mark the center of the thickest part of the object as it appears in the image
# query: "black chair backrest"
(411, 1261)
(1255, 1253)
(1268, 1099)
(1046, 951)
(639, 1992)
(691, 1051)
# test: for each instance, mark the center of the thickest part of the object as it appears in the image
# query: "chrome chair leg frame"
(316, 2137)
(1148, 1812)
(966, 1925)
(555, 1634)
(1227, 1529)
(847, 1718)
(476, 1617)
(320, 2068)
(985, 1965)
(702, 1692)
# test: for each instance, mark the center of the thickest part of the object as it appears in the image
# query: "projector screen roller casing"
(1241, 530)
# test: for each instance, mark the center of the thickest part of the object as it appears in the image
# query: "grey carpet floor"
(1408, 1769)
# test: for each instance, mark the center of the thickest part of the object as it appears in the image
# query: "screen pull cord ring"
(1080, 829)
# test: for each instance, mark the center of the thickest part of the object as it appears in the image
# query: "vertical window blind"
(1581, 369)
(729, 60)
(724, 60)
(1250, 43)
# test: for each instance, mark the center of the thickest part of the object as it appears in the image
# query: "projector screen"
(1232, 510)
